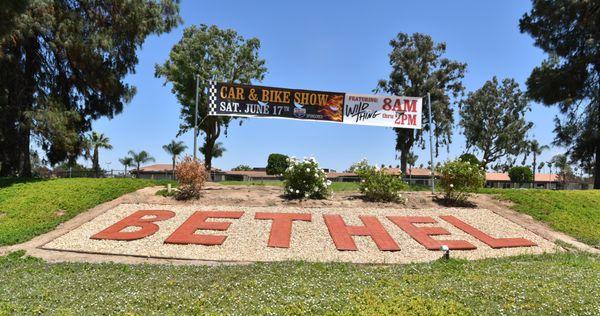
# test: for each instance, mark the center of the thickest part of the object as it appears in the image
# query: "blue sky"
(331, 46)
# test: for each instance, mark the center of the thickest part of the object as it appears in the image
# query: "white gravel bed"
(247, 237)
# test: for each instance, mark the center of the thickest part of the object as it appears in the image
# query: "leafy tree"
(126, 162)
(217, 150)
(540, 168)
(94, 142)
(63, 65)
(277, 164)
(418, 67)
(565, 172)
(140, 158)
(493, 119)
(411, 160)
(536, 149)
(470, 158)
(520, 174)
(569, 32)
(9, 11)
(360, 166)
(174, 148)
(213, 54)
(242, 168)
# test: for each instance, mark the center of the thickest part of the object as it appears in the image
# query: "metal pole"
(196, 118)
(431, 146)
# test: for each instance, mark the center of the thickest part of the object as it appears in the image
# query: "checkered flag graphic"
(212, 98)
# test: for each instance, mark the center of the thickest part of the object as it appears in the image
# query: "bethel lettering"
(281, 230)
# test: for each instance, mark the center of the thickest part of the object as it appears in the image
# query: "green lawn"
(32, 207)
(576, 213)
(544, 284)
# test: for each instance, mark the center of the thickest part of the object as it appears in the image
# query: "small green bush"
(379, 186)
(305, 180)
(277, 164)
(520, 174)
(459, 178)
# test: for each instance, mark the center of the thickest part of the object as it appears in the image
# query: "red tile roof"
(539, 177)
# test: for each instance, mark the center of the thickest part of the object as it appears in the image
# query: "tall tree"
(411, 160)
(536, 149)
(565, 172)
(140, 158)
(217, 150)
(94, 143)
(63, 65)
(213, 54)
(569, 32)
(418, 67)
(9, 13)
(493, 120)
(174, 148)
(126, 162)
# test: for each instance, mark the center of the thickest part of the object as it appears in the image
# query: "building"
(414, 176)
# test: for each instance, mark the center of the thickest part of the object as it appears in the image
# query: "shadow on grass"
(8, 181)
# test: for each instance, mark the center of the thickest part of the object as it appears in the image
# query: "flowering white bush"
(459, 178)
(305, 180)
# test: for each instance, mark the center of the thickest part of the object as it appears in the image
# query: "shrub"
(520, 174)
(304, 179)
(277, 164)
(242, 168)
(360, 166)
(459, 178)
(191, 176)
(379, 186)
(470, 158)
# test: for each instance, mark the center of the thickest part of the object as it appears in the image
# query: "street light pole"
(196, 118)
(431, 146)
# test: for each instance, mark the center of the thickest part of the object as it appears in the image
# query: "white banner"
(379, 110)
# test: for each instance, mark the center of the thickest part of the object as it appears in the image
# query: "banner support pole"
(196, 119)
(431, 146)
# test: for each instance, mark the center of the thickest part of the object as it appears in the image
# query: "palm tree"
(217, 150)
(174, 149)
(126, 162)
(536, 150)
(94, 142)
(562, 164)
(540, 167)
(411, 159)
(140, 158)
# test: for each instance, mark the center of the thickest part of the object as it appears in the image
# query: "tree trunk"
(404, 142)
(24, 153)
(95, 164)
(534, 165)
(597, 166)
(173, 167)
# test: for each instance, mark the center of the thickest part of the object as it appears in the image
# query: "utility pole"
(431, 146)
(196, 118)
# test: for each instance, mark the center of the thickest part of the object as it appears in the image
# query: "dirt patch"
(60, 213)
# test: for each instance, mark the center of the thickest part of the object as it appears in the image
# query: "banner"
(257, 101)
(388, 111)
(348, 108)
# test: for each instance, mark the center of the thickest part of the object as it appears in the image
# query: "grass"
(32, 207)
(543, 284)
(576, 213)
